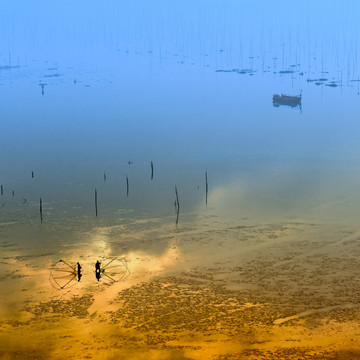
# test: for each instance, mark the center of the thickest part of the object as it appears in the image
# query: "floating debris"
(53, 75)
(9, 67)
(238, 71)
(317, 80)
(286, 72)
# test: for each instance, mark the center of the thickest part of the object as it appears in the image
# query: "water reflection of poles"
(341, 80)
(42, 88)
(177, 205)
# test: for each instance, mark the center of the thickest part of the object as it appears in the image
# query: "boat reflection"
(293, 105)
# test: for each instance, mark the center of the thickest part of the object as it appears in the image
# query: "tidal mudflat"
(208, 288)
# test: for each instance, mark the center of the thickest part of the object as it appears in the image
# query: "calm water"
(186, 119)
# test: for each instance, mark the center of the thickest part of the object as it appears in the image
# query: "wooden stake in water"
(206, 188)
(96, 209)
(41, 213)
(127, 187)
(152, 170)
(2, 190)
(32, 174)
(13, 193)
(104, 176)
(177, 205)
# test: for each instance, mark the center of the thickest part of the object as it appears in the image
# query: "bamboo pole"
(206, 188)
(127, 186)
(152, 170)
(41, 212)
(177, 205)
(96, 206)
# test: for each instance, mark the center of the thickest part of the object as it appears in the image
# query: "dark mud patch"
(77, 306)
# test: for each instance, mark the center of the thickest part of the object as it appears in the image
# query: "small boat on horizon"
(287, 99)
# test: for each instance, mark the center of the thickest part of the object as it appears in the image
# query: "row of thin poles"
(177, 203)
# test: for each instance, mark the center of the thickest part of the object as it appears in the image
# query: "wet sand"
(286, 290)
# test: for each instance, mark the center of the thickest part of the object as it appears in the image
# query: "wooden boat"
(286, 99)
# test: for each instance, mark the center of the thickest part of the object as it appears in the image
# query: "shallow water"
(77, 138)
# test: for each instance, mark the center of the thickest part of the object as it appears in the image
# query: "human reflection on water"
(79, 274)
(114, 270)
(98, 270)
(63, 275)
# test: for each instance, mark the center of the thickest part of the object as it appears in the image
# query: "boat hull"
(285, 99)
